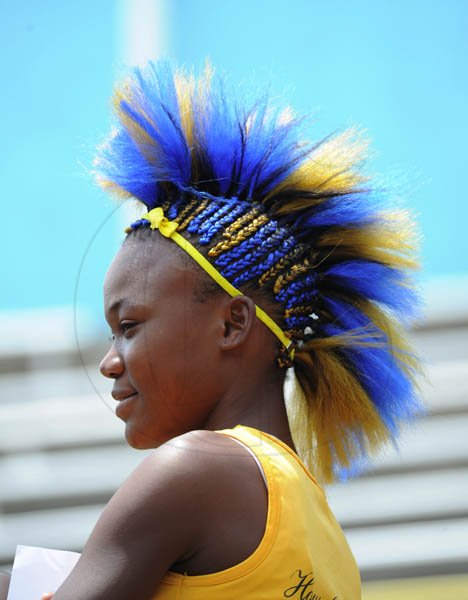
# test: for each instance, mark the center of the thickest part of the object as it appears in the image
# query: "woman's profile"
(257, 256)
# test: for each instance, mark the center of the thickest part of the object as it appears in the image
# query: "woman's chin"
(139, 440)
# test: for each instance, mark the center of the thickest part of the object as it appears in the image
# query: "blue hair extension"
(258, 269)
(157, 103)
(309, 282)
(222, 221)
(377, 282)
(392, 392)
(245, 145)
(278, 239)
(299, 321)
(210, 227)
(276, 245)
(140, 223)
(306, 297)
(345, 211)
(196, 222)
(173, 211)
(124, 165)
(247, 245)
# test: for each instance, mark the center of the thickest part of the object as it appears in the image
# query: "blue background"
(396, 68)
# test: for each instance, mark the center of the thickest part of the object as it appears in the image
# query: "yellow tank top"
(303, 554)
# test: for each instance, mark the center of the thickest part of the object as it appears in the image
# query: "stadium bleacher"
(62, 456)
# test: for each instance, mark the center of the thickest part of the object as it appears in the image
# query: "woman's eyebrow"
(114, 307)
(123, 303)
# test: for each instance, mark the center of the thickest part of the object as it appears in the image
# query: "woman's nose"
(112, 365)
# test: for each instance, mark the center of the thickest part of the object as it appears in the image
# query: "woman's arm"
(154, 519)
(4, 584)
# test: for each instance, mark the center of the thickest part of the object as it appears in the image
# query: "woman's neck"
(254, 403)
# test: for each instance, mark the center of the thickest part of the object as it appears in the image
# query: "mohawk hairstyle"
(299, 223)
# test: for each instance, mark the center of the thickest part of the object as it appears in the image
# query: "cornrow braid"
(190, 217)
(273, 243)
(305, 309)
(310, 295)
(282, 264)
(243, 234)
(222, 219)
(274, 258)
(231, 232)
(291, 274)
(307, 282)
(172, 211)
(205, 229)
(298, 322)
(296, 334)
(239, 223)
(194, 225)
(188, 208)
(252, 243)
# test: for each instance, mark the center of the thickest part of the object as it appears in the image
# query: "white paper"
(39, 570)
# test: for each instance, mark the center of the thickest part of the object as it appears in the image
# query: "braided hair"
(298, 223)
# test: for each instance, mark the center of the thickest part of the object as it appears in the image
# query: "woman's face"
(164, 357)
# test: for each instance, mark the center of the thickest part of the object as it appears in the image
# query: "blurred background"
(396, 68)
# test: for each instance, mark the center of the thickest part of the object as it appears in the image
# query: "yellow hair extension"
(330, 169)
(249, 230)
(240, 222)
(336, 406)
(280, 265)
(201, 207)
(399, 346)
(191, 92)
(294, 333)
(392, 242)
(113, 188)
(188, 208)
(185, 89)
(298, 310)
(290, 275)
(237, 235)
(137, 133)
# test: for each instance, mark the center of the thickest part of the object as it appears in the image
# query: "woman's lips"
(124, 406)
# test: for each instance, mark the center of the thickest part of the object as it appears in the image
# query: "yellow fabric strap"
(168, 229)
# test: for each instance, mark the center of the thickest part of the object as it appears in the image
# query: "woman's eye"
(125, 326)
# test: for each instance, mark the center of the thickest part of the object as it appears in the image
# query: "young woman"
(257, 255)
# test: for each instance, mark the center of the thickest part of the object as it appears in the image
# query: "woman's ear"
(239, 316)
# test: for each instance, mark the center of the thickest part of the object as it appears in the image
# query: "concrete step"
(61, 528)
(425, 548)
(58, 423)
(44, 479)
(401, 498)
(52, 383)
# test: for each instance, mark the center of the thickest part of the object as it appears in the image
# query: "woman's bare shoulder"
(160, 515)
(236, 503)
(4, 584)
(178, 507)
(191, 455)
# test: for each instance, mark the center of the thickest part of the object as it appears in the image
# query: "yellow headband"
(168, 229)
